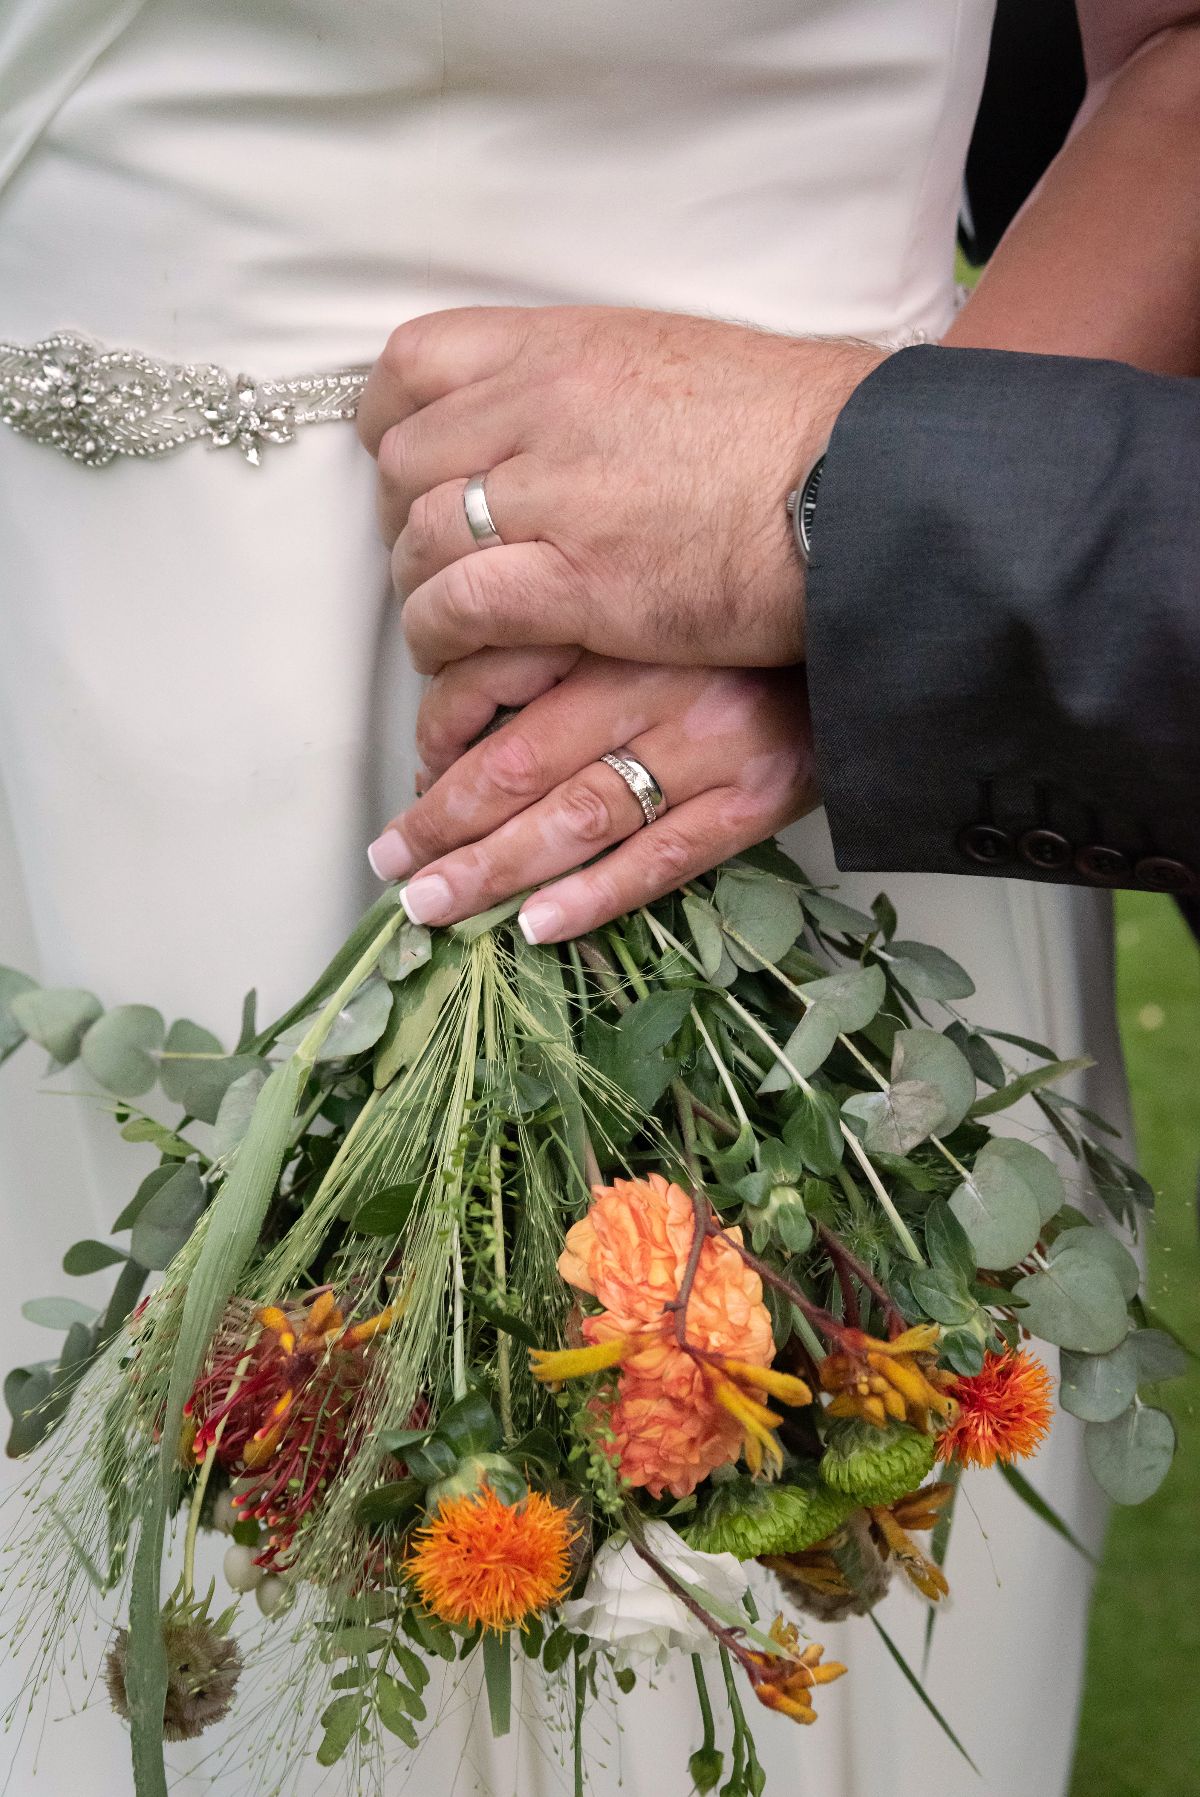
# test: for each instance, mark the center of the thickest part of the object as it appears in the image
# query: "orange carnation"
(1004, 1411)
(671, 1429)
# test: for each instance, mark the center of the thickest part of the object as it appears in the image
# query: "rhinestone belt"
(92, 403)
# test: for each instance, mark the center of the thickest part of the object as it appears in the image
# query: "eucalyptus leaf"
(121, 1049)
(56, 1017)
(925, 1055)
(997, 1208)
(409, 949)
(898, 1119)
(357, 1027)
(707, 935)
(236, 1109)
(12, 984)
(32, 1412)
(926, 972)
(764, 912)
(1076, 1303)
(985, 1062)
(831, 914)
(1099, 1246)
(168, 1218)
(91, 1257)
(199, 1078)
(1097, 1387)
(57, 1313)
(1130, 1457)
(853, 996)
(806, 1048)
(152, 1183)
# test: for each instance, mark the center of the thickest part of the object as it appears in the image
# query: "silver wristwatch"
(802, 507)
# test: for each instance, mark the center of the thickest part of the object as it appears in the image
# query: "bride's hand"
(730, 748)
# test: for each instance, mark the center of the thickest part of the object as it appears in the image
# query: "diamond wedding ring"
(479, 517)
(639, 780)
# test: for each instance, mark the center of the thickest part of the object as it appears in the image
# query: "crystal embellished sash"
(92, 403)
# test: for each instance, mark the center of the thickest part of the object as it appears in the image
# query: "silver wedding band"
(639, 780)
(479, 518)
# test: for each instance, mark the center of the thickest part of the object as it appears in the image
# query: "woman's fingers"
(753, 775)
(656, 860)
(601, 706)
(460, 703)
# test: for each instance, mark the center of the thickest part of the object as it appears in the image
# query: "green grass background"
(1139, 1733)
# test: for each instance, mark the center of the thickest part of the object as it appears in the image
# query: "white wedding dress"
(204, 712)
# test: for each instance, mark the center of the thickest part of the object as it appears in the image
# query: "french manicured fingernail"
(428, 899)
(540, 919)
(390, 856)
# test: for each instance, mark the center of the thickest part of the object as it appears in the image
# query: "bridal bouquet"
(516, 1300)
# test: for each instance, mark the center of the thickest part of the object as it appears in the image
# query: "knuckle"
(464, 589)
(514, 765)
(424, 830)
(586, 812)
(669, 852)
(402, 347)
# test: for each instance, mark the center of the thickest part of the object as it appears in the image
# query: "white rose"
(627, 1606)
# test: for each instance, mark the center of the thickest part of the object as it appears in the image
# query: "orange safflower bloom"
(680, 1412)
(1004, 1411)
(483, 1561)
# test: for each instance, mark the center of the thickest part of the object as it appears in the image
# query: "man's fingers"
(521, 595)
(461, 702)
(471, 431)
(660, 858)
(428, 357)
(436, 531)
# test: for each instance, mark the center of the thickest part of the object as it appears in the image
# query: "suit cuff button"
(984, 844)
(1158, 873)
(1103, 866)
(1046, 850)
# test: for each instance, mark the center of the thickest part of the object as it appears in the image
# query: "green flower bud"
(746, 1518)
(706, 1766)
(472, 1473)
(875, 1466)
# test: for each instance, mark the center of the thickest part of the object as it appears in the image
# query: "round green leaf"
(1076, 1303)
(1131, 1456)
(927, 972)
(997, 1209)
(1097, 1387)
(91, 1257)
(854, 996)
(409, 949)
(942, 1296)
(928, 1056)
(121, 1049)
(57, 1313)
(764, 911)
(898, 1119)
(57, 1017)
(152, 1183)
(831, 914)
(1035, 1169)
(1098, 1245)
(168, 1218)
(11, 984)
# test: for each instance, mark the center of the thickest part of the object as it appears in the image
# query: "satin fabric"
(204, 710)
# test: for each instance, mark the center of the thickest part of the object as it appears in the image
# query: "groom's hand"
(637, 468)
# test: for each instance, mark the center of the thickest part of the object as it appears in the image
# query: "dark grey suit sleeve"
(1004, 621)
